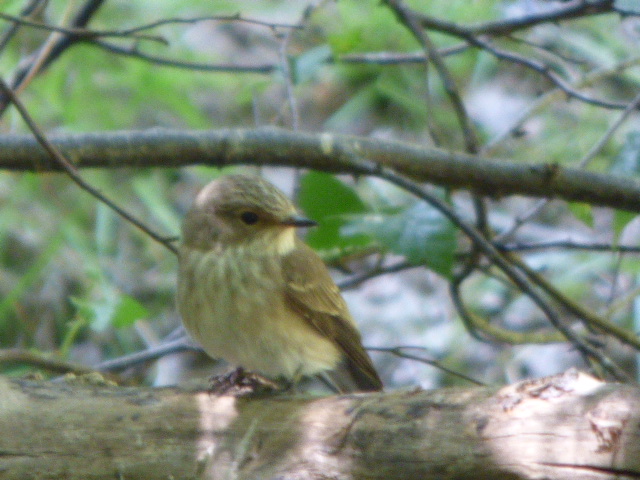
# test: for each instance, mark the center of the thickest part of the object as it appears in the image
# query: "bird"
(251, 292)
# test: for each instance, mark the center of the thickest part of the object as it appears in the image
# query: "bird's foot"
(239, 383)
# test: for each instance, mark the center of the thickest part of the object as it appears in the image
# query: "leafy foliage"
(420, 233)
(330, 203)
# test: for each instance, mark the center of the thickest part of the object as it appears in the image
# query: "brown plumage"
(312, 294)
(253, 293)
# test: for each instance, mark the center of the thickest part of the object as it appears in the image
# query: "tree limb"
(327, 152)
(563, 427)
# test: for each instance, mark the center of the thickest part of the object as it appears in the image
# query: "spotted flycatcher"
(251, 292)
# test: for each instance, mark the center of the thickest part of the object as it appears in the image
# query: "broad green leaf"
(329, 202)
(582, 212)
(113, 309)
(420, 233)
(127, 312)
(620, 220)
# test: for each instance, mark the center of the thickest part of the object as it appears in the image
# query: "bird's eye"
(249, 218)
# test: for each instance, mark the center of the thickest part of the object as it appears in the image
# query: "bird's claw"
(239, 383)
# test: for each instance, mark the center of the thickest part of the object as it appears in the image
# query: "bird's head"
(241, 210)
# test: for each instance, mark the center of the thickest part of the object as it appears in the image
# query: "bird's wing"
(311, 292)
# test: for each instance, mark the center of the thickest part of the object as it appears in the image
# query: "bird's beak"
(298, 221)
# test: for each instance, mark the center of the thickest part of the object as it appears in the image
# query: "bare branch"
(61, 43)
(574, 9)
(32, 7)
(325, 152)
(182, 344)
(215, 18)
(400, 352)
(81, 33)
(568, 245)
(545, 71)
(168, 62)
(407, 17)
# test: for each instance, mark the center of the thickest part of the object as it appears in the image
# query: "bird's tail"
(349, 377)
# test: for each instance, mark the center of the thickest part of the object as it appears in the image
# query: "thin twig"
(398, 58)
(472, 36)
(567, 245)
(81, 33)
(32, 7)
(590, 155)
(167, 62)
(287, 74)
(551, 96)
(134, 32)
(356, 280)
(545, 71)
(492, 332)
(579, 9)
(406, 16)
(236, 17)
(63, 42)
(38, 62)
(585, 315)
(398, 352)
(182, 344)
(521, 219)
(455, 290)
(631, 107)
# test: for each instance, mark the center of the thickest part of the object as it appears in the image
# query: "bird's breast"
(233, 303)
(228, 288)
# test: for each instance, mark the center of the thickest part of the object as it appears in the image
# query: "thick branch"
(564, 427)
(328, 152)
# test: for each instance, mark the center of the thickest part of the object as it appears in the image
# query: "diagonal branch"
(61, 43)
(575, 9)
(72, 172)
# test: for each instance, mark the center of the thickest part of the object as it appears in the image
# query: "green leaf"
(420, 233)
(127, 312)
(111, 310)
(621, 220)
(582, 212)
(329, 202)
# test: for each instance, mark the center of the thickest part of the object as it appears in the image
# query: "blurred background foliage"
(79, 283)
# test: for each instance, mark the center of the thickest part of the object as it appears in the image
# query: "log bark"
(563, 427)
